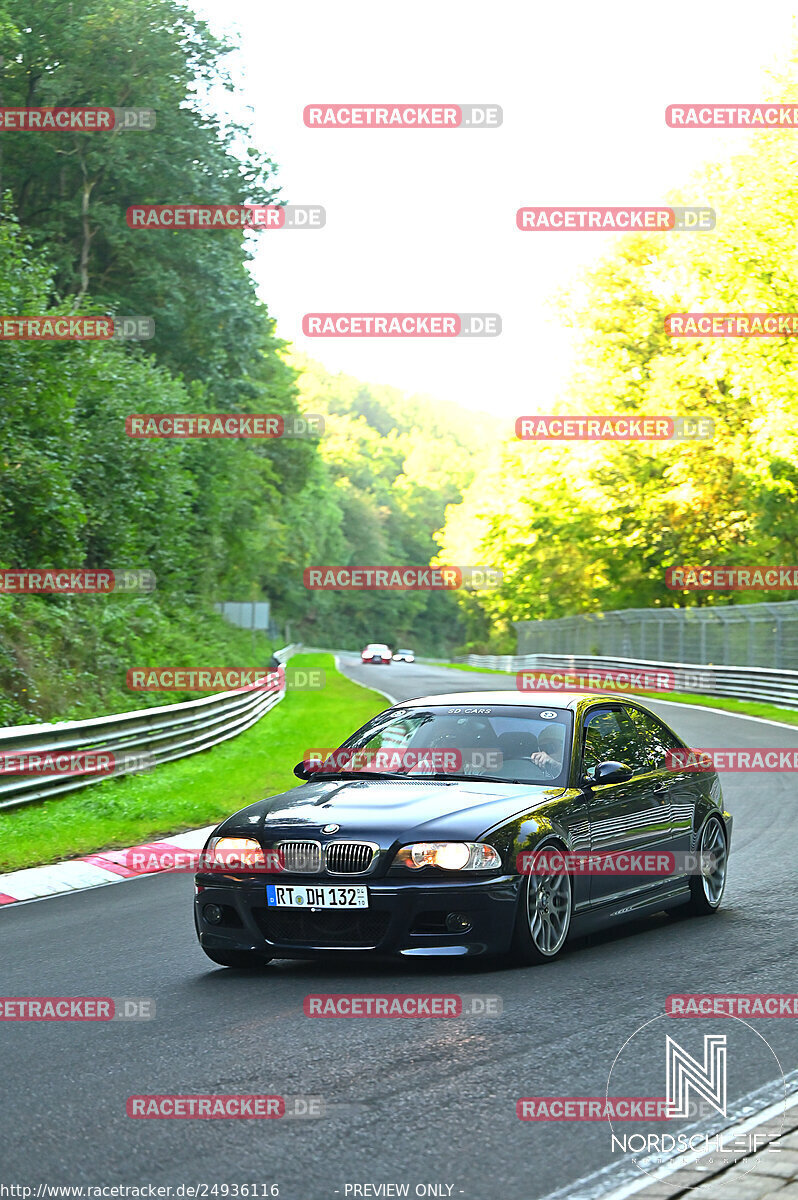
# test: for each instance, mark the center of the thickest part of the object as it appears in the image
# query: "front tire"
(543, 916)
(247, 959)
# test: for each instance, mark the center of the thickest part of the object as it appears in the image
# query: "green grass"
(749, 708)
(194, 791)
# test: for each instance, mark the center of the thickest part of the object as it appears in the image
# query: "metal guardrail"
(144, 737)
(766, 684)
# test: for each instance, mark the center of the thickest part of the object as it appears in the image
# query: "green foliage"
(214, 519)
(595, 526)
(71, 189)
(390, 465)
(67, 657)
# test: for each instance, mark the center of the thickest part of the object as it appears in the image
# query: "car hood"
(390, 810)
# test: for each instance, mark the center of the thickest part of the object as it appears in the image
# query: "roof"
(536, 699)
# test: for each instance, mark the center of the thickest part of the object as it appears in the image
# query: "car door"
(624, 817)
(682, 787)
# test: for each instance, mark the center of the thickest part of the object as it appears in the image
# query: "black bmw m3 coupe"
(475, 823)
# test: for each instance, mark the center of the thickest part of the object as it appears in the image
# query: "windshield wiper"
(472, 778)
(357, 775)
(444, 775)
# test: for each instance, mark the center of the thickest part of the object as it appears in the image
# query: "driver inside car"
(550, 754)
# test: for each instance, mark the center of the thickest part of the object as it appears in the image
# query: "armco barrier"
(162, 734)
(742, 683)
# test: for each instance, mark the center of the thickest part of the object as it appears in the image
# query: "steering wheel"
(548, 770)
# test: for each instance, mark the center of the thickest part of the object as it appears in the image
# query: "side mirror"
(610, 772)
(303, 771)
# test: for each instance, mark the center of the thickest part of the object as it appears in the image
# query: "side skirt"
(627, 909)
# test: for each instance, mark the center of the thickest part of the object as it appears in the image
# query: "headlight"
(233, 854)
(451, 856)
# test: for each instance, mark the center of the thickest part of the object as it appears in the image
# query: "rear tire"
(543, 916)
(248, 959)
(707, 888)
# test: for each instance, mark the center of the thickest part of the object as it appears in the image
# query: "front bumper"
(403, 919)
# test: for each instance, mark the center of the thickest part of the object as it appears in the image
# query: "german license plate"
(283, 895)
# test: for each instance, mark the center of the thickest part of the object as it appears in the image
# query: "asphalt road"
(411, 1101)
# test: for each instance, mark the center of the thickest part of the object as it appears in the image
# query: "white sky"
(424, 220)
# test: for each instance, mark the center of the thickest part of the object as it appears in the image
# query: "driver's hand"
(424, 766)
(541, 759)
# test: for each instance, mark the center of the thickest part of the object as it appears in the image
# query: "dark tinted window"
(628, 736)
(606, 738)
(652, 740)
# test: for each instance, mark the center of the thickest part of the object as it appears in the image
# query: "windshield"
(484, 741)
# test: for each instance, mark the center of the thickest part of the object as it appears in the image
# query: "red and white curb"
(107, 866)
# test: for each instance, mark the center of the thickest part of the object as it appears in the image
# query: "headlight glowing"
(450, 856)
(233, 854)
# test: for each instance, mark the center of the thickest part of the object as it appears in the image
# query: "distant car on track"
(376, 652)
(404, 656)
(418, 860)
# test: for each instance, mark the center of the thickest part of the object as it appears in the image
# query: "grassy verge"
(194, 791)
(749, 708)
